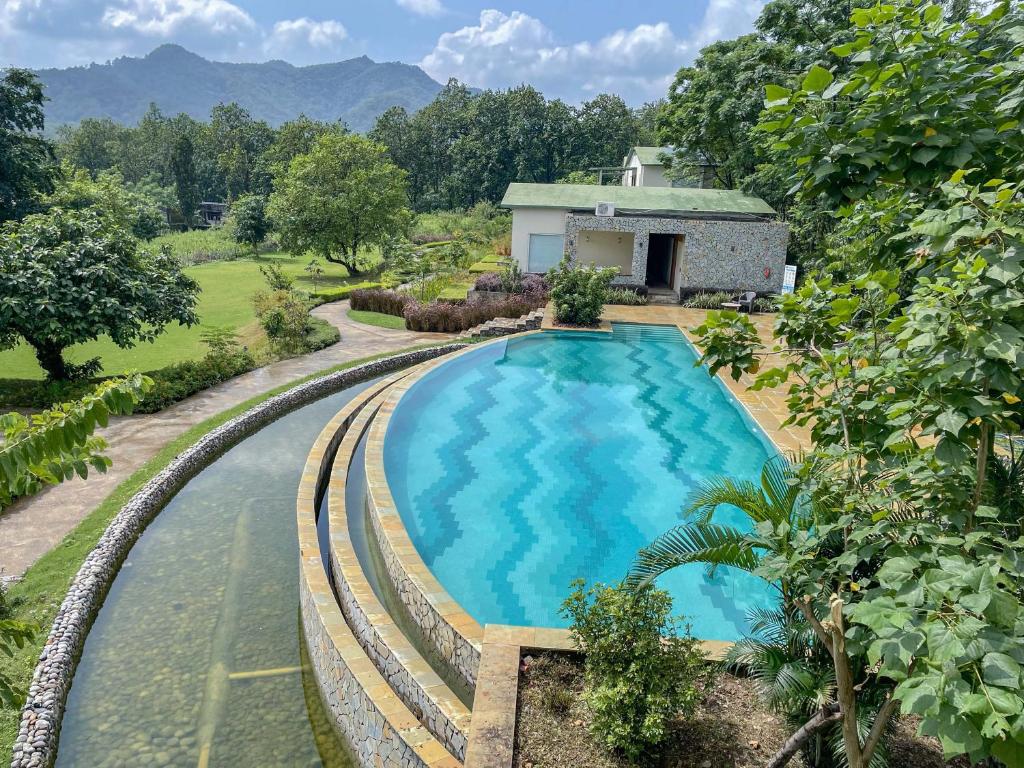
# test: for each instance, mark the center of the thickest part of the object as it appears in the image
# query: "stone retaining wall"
(451, 631)
(408, 673)
(36, 743)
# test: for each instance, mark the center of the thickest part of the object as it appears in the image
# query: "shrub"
(579, 291)
(625, 296)
(511, 277)
(640, 672)
(489, 281)
(337, 294)
(765, 304)
(181, 380)
(455, 318)
(535, 285)
(275, 278)
(385, 302)
(284, 316)
(707, 299)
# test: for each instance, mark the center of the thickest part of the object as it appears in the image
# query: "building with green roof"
(673, 240)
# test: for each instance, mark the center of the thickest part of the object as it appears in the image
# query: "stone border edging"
(380, 730)
(445, 624)
(395, 656)
(35, 746)
(492, 735)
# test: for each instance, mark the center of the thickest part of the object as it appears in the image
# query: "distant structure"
(212, 214)
(665, 235)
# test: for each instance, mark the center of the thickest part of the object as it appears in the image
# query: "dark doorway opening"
(659, 260)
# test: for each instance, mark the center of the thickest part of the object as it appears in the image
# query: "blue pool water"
(522, 465)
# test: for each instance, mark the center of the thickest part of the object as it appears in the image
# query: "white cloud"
(423, 7)
(725, 19)
(55, 33)
(302, 40)
(638, 63)
(162, 18)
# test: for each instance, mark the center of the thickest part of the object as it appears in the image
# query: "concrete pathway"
(34, 525)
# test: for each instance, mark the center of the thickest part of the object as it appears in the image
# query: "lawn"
(378, 319)
(226, 300)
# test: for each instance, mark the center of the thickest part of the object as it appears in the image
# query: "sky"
(569, 50)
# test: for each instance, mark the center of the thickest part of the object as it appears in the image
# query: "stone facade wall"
(36, 743)
(724, 255)
(372, 735)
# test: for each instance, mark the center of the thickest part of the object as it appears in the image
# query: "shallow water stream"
(196, 658)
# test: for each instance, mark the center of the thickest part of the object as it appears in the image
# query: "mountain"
(176, 80)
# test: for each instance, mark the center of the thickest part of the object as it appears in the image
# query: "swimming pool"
(527, 463)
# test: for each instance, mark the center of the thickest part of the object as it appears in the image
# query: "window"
(545, 252)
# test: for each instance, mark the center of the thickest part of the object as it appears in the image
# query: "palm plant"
(792, 670)
(779, 501)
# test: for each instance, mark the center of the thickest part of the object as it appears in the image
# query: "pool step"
(379, 727)
(668, 334)
(383, 640)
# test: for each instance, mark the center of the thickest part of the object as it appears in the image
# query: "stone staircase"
(662, 296)
(505, 326)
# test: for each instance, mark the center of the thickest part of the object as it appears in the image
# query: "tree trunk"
(349, 264)
(51, 360)
(794, 743)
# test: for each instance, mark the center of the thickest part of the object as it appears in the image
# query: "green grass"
(37, 597)
(378, 319)
(456, 292)
(226, 300)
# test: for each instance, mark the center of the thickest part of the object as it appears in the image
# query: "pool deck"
(767, 407)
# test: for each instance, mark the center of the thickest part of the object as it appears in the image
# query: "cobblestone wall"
(724, 255)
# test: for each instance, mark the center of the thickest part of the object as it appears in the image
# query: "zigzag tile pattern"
(524, 464)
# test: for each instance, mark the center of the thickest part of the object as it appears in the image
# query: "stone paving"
(34, 525)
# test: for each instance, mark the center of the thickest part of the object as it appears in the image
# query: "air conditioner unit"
(605, 209)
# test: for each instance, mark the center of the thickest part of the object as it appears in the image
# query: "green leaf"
(776, 93)
(896, 571)
(817, 79)
(925, 155)
(951, 421)
(999, 669)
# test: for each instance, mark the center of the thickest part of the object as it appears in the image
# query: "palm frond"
(708, 543)
(711, 494)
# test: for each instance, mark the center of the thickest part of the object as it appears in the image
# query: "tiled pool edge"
(455, 634)
(395, 657)
(378, 727)
(36, 744)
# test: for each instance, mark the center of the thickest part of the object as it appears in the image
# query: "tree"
(183, 170)
(109, 196)
(249, 224)
(26, 158)
(906, 366)
(93, 144)
(339, 199)
(117, 289)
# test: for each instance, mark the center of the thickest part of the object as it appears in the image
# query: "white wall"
(533, 221)
(606, 249)
(633, 179)
(654, 176)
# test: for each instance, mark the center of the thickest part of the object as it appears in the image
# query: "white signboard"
(789, 278)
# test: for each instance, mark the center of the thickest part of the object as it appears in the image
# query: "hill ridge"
(177, 80)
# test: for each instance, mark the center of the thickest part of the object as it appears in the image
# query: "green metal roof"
(649, 155)
(637, 200)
